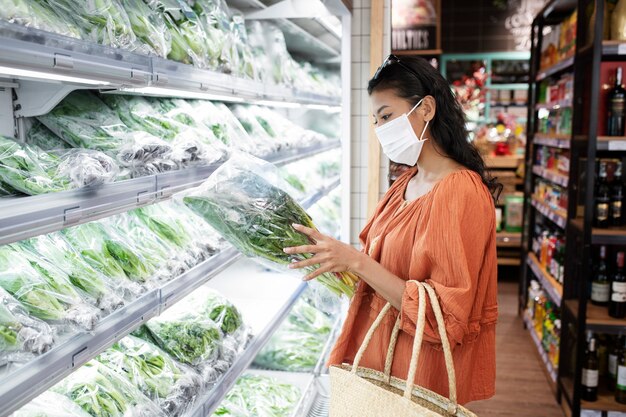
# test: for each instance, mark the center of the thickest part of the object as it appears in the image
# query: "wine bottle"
(590, 375)
(600, 286)
(603, 198)
(616, 101)
(620, 385)
(614, 354)
(617, 196)
(617, 305)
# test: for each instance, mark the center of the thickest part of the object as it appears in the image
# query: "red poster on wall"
(415, 25)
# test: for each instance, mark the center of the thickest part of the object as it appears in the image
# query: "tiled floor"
(522, 389)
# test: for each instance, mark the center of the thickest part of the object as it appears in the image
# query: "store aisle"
(521, 386)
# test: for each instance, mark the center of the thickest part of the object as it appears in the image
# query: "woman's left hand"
(330, 254)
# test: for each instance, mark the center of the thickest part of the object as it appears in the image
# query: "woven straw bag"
(363, 392)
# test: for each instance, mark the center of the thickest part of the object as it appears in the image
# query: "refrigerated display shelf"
(551, 370)
(558, 217)
(551, 175)
(547, 281)
(554, 141)
(25, 217)
(556, 68)
(27, 382)
(610, 236)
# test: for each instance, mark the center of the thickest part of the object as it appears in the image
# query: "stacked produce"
(327, 214)
(297, 345)
(312, 174)
(256, 395)
(243, 202)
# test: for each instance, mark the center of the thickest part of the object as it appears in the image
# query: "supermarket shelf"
(555, 106)
(612, 236)
(320, 368)
(206, 405)
(509, 239)
(555, 69)
(503, 161)
(552, 287)
(611, 143)
(554, 141)
(606, 402)
(27, 382)
(613, 48)
(558, 217)
(598, 318)
(509, 261)
(24, 217)
(552, 372)
(550, 175)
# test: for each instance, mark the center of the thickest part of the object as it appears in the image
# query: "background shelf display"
(547, 281)
(558, 217)
(555, 141)
(555, 69)
(544, 357)
(550, 175)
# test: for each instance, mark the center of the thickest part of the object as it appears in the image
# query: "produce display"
(297, 345)
(37, 15)
(51, 404)
(255, 395)
(256, 216)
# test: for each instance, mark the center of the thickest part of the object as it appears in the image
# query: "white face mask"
(399, 141)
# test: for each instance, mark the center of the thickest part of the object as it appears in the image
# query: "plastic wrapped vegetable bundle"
(42, 137)
(20, 333)
(104, 393)
(171, 385)
(51, 404)
(327, 214)
(253, 127)
(105, 254)
(255, 396)
(149, 26)
(57, 251)
(212, 16)
(43, 290)
(84, 121)
(36, 15)
(243, 202)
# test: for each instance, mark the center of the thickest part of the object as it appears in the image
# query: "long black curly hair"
(415, 78)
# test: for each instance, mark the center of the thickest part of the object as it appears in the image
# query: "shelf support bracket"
(7, 121)
(37, 98)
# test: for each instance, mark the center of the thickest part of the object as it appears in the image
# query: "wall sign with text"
(415, 25)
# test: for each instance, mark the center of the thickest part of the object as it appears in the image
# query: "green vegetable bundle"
(42, 137)
(51, 404)
(37, 15)
(255, 395)
(256, 216)
(104, 393)
(18, 331)
(170, 385)
(218, 308)
(149, 26)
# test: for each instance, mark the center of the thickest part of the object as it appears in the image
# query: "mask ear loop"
(424, 131)
(414, 107)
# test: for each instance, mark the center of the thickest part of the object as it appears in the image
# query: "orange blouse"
(446, 238)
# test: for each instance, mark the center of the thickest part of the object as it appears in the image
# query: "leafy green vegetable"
(164, 226)
(51, 404)
(149, 26)
(256, 217)
(218, 308)
(255, 395)
(37, 15)
(19, 331)
(39, 135)
(266, 126)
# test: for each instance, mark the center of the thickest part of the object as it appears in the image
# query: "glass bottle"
(590, 376)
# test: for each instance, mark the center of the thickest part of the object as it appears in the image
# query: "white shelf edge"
(559, 179)
(26, 382)
(25, 217)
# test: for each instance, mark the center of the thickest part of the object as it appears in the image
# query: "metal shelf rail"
(25, 217)
(36, 376)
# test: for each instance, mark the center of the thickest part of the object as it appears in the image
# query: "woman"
(435, 224)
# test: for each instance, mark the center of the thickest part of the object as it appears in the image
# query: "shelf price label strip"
(549, 213)
(555, 177)
(26, 382)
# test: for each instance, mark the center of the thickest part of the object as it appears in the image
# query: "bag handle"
(422, 288)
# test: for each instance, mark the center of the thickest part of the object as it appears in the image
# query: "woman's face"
(387, 105)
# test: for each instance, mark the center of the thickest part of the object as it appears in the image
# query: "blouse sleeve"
(462, 220)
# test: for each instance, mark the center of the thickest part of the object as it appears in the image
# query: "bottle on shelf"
(601, 286)
(617, 305)
(620, 385)
(590, 374)
(603, 198)
(616, 106)
(617, 196)
(615, 352)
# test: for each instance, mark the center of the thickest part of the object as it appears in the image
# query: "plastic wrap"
(189, 39)
(327, 214)
(243, 201)
(101, 21)
(37, 15)
(51, 404)
(102, 252)
(42, 137)
(149, 26)
(259, 396)
(284, 130)
(171, 385)
(55, 250)
(254, 128)
(104, 393)
(20, 333)
(212, 17)
(43, 290)
(84, 121)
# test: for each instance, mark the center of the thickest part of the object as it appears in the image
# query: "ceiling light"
(172, 92)
(286, 104)
(47, 76)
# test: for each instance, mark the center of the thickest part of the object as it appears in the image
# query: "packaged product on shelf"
(21, 334)
(44, 290)
(104, 393)
(256, 395)
(51, 404)
(267, 41)
(171, 385)
(245, 202)
(39, 135)
(322, 299)
(514, 213)
(149, 27)
(214, 20)
(37, 15)
(104, 22)
(54, 249)
(254, 128)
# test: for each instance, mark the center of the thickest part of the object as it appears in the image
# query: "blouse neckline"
(413, 172)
